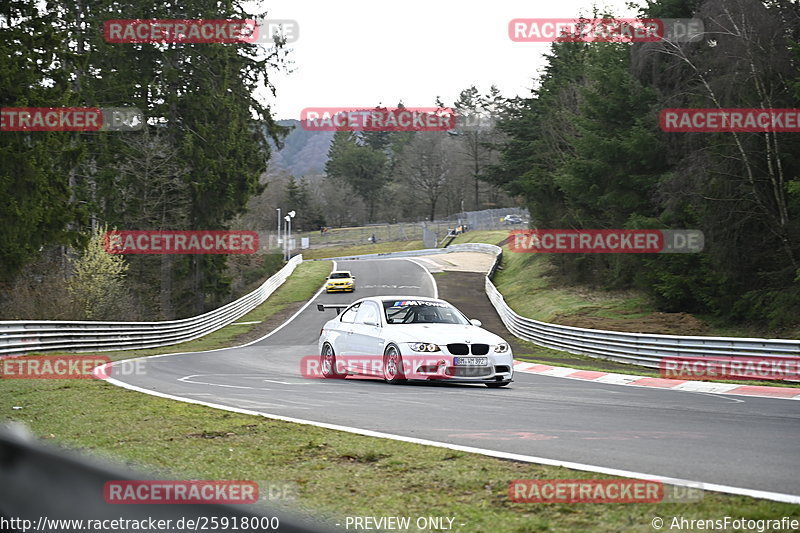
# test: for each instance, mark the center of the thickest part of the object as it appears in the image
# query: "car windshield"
(340, 275)
(421, 312)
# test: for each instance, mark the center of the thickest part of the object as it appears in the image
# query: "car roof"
(404, 297)
(340, 272)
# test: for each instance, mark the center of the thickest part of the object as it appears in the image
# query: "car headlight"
(501, 348)
(424, 347)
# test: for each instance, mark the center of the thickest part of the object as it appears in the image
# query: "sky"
(363, 53)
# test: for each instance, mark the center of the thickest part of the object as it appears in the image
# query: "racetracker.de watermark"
(225, 31)
(744, 368)
(785, 120)
(607, 241)
(180, 492)
(378, 119)
(628, 30)
(53, 367)
(600, 491)
(68, 367)
(180, 242)
(71, 119)
(428, 367)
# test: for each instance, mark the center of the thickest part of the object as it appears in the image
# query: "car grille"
(458, 349)
(480, 349)
(469, 371)
(464, 349)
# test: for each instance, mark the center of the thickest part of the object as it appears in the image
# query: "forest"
(583, 150)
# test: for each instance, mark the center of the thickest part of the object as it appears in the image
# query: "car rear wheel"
(328, 363)
(393, 371)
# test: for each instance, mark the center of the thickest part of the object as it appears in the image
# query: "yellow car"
(340, 280)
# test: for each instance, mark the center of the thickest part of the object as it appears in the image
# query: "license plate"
(470, 361)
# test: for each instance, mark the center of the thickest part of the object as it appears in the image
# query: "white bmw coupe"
(401, 338)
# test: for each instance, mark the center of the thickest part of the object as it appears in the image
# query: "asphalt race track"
(751, 443)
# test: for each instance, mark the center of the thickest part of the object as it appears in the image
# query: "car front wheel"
(393, 366)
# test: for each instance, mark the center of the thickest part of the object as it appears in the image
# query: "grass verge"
(529, 289)
(488, 236)
(359, 249)
(336, 473)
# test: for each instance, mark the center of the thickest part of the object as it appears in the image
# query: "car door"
(367, 341)
(341, 337)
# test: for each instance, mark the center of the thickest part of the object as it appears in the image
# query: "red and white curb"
(761, 391)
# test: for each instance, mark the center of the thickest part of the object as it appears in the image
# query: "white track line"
(428, 272)
(775, 496)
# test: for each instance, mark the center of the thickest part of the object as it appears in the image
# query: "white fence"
(19, 337)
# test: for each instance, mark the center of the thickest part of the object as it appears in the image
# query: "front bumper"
(440, 367)
(340, 288)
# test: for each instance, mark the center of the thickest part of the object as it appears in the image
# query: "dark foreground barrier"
(43, 488)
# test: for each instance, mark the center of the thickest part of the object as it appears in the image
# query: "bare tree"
(742, 62)
(425, 165)
(477, 133)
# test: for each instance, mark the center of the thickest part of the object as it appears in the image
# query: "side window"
(368, 314)
(350, 314)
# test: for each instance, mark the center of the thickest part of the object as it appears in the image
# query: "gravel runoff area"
(457, 262)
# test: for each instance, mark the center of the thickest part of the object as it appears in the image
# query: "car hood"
(441, 333)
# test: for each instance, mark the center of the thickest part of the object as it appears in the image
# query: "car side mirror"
(476, 322)
(352, 277)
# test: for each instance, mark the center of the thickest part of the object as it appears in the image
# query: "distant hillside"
(304, 152)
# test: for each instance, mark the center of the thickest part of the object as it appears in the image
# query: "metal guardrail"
(20, 337)
(643, 349)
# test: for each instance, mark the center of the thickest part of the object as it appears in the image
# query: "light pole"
(285, 238)
(279, 226)
(288, 235)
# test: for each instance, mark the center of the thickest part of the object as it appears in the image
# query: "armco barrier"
(19, 337)
(637, 348)
(642, 349)
(44, 485)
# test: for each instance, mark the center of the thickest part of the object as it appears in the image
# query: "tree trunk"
(165, 295)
